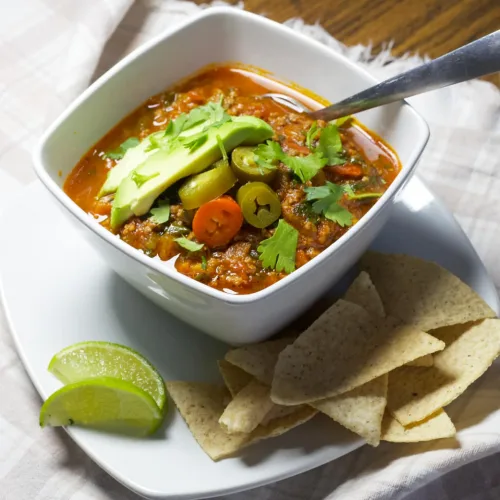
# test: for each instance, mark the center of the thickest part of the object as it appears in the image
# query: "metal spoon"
(473, 60)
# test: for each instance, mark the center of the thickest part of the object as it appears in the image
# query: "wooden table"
(431, 27)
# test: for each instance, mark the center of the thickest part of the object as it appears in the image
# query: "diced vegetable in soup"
(234, 189)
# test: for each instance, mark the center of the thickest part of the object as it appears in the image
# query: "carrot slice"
(217, 222)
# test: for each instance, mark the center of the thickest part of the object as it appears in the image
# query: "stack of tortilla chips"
(406, 340)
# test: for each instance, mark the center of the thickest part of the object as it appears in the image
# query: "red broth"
(370, 167)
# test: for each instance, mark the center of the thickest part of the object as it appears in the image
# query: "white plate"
(56, 291)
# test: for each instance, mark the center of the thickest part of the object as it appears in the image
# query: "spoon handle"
(476, 59)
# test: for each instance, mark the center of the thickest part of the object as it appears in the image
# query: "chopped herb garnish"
(119, 152)
(175, 127)
(311, 135)
(326, 200)
(195, 117)
(217, 114)
(222, 148)
(305, 167)
(342, 121)
(270, 151)
(203, 262)
(140, 179)
(189, 245)
(213, 113)
(266, 154)
(278, 251)
(305, 210)
(194, 142)
(177, 229)
(349, 190)
(330, 145)
(374, 181)
(154, 143)
(364, 196)
(161, 213)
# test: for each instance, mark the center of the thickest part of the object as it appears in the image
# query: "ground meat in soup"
(370, 166)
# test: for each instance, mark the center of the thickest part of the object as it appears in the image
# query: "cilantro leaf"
(213, 113)
(189, 245)
(270, 151)
(154, 142)
(175, 127)
(266, 154)
(305, 167)
(330, 145)
(311, 134)
(339, 214)
(364, 196)
(217, 114)
(140, 179)
(161, 214)
(195, 117)
(119, 152)
(341, 121)
(222, 148)
(327, 198)
(319, 192)
(278, 251)
(195, 141)
(348, 190)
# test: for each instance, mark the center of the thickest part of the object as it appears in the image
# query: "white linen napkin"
(49, 52)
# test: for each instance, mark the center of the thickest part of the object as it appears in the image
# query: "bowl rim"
(153, 264)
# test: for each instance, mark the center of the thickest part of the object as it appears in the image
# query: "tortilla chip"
(280, 411)
(248, 408)
(234, 378)
(437, 426)
(363, 293)
(426, 360)
(416, 393)
(421, 293)
(279, 426)
(201, 406)
(360, 410)
(345, 348)
(259, 360)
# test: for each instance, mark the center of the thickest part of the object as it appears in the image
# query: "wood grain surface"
(431, 27)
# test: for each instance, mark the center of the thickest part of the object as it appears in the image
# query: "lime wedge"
(87, 360)
(104, 403)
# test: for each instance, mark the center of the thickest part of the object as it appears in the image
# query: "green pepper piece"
(259, 203)
(247, 169)
(201, 188)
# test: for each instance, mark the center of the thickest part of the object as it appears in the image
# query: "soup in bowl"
(226, 209)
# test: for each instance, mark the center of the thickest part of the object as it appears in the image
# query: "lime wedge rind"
(96, 359)
(103, 403)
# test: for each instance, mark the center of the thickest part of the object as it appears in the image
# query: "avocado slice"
(138, 191)
(132, 158)
(136, 156)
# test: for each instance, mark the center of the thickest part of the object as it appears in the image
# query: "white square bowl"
(222, 35)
